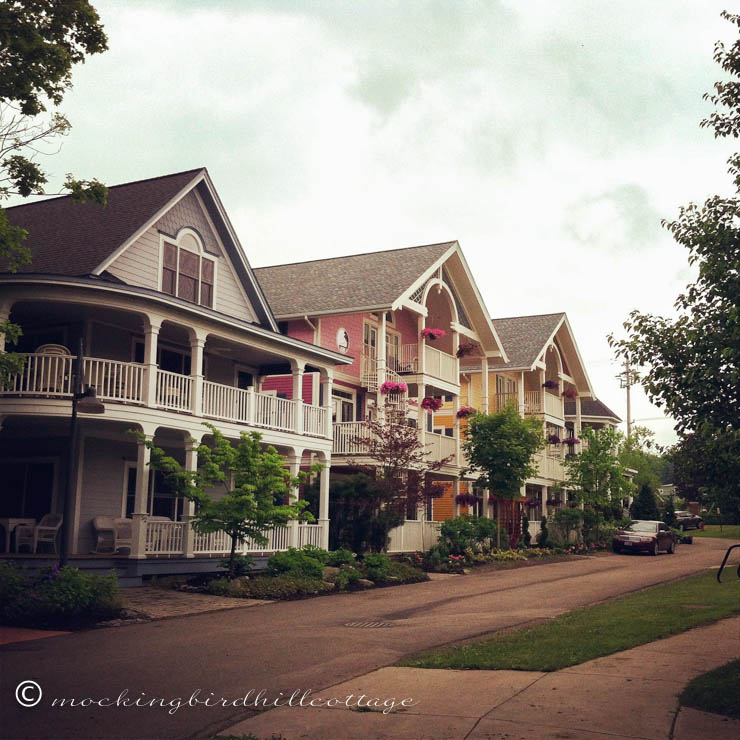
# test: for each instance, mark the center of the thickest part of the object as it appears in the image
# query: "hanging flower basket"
(465, 412)
(554, 502)
(553, 439)
(532, 502)
(570, 393)
(550, 384)
(465, 349)
(466, 498)
(392, 388)
(571, 441)
(433, 334)
(431, 404)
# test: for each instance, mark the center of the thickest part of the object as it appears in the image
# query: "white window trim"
(202, 253)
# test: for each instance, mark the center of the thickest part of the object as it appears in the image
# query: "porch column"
(151, 334)
(543, 496)
(578, 418)
(143, 457)
(327, 378)
(381, 349)
(455, 494)
(456, 427)
(297, 367)
(4, 316)
(294, 466)
(197, 343)
(484, 402)
(522, 406)
(324, 499)
(421, 369)
(423, 414)
(188, 508)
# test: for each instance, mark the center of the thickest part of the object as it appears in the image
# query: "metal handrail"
(724, 562)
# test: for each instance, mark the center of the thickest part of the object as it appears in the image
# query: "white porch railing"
(274, 412)
(498, 401)
(441, 446)
(549, 466)
(174, 391)
(44, 374)
(533, 402)
(406, 360)
(314, 420)
(440, 365)
(369, 372)
(115, 381)
(226, 402)
(350, 437)
(414, 535)
(169, 538)
(553, 405)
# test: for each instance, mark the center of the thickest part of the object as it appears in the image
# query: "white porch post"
(455, 494)
(522, 406)
(421, 323)
(197, 343)
(543, 495)
(4, 316)
(324, 500)
(143, 457)
(423, 414)
(578, 417)
(486, 409)
(456, 427)
(294, 466)
(327, 378)
(151, 334)
(188, 509)
(297, 369)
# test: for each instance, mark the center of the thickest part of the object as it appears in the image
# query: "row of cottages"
(175, 331)
(379, 308)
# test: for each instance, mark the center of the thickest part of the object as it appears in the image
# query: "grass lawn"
(716, 691)
(593, 631)
(729, 531)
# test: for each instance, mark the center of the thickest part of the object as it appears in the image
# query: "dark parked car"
(686, 520)
(644, 536)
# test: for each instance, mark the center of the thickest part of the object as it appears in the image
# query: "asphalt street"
(291, 647)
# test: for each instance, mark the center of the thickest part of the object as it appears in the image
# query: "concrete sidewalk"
(632, 694)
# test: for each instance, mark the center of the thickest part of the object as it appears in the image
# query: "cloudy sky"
(549, 138)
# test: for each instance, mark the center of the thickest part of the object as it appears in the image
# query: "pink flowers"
(465, 349)
(431, 404)
(390, 387)
(433, 334)
(571, 441)
(570, 393)
(465, 412)
(553, 439)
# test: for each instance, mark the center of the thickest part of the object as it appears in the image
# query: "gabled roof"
(373, 280)
(591, 407)
(71, 238)
(524, 337)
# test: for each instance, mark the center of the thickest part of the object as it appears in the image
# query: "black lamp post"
(86, 402)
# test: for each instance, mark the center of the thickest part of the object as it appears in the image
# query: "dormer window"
(186, 272)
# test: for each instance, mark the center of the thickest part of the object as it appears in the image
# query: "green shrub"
(505, 556)
(377, 565)
(347, 579)
(297, 563)
(224, 587)
(340, 557)
(242, 564)
(56, 597)
(285, 586)
(316, 553)
(403, 573)
(458, 533)
(543, 534)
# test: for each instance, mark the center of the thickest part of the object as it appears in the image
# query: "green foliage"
(242, 564)
(669, 512)
(501, 446)
(715, 691)
(284, 586)
(463, 532)
(526, 536)
(568, 520)
(56, 597)
(295, 562)
(316, 553)
(347, 579)
(637, 453)
(543, 534)
(250, 477)
(377, 565)
(400, 573)
(596, 475)
(336, 558)
(645, 505)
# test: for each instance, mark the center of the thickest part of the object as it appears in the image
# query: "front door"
(370, 342)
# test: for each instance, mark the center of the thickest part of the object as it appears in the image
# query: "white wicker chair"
(44, 533)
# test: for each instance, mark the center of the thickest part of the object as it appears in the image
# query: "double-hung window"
(186, 272)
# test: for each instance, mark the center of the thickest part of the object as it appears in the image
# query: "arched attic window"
(186, 271)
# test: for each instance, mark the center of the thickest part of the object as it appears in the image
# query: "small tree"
(645, 505)
(251, 479)
(595, 475)
(569, 520)
(400, 473)
(669, 512)
(501, 447)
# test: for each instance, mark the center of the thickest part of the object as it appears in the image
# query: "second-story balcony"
(406, 360)
(352, 437)
(50, 376)
(542, 402)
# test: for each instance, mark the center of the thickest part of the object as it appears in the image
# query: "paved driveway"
(289, 646)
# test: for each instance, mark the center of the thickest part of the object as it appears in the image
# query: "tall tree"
(501, 448)
(40, 41)
(596, 474)
(238, 489)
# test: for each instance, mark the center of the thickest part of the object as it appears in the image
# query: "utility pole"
(627, 378)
